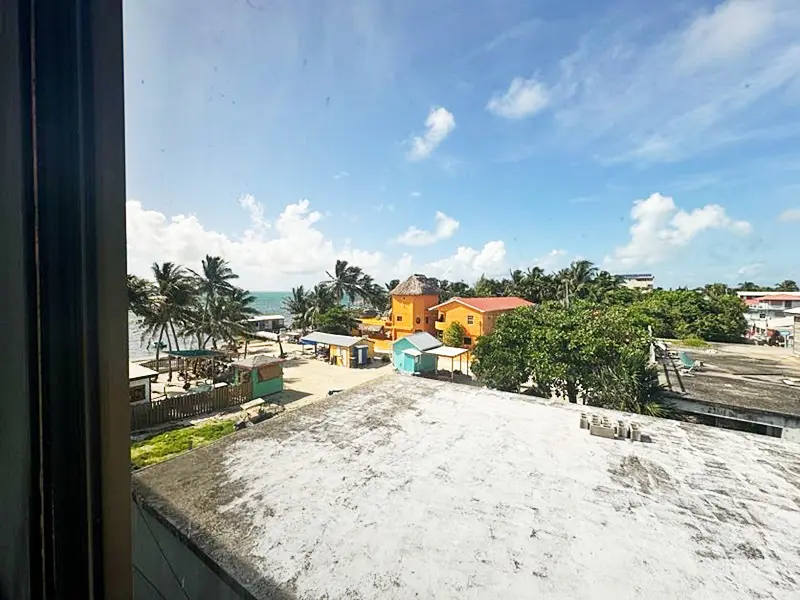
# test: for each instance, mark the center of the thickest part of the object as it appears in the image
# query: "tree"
(454, 335)
(747, 286)
(338, 320)
(501, 359)
(486, 287)
(140, 296)
(298, 305)
(631, 385)
(787, 285)
(346, 282)
(320, 300)
(392, 284)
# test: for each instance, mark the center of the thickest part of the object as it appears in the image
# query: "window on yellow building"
(467, 341)
(426, 320)
(470, 320)
(399, 319)
(418, 320)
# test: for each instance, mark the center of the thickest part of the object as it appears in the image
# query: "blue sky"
(459, 138)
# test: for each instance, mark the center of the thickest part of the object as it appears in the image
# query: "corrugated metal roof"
(257, 360)
(447, 351)
(332, 339)
(136, 371)
(422, 341)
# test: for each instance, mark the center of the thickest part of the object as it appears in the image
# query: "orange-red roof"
(779, 297)
(488, 304)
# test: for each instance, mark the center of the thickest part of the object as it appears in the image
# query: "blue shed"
(408, 354)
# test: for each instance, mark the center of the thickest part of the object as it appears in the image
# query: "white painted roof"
(266, 318)
(447, 351)
(793, 311)
(412, 352)
(137, 371)
(412, 488)
(332, 339)
(421, 341)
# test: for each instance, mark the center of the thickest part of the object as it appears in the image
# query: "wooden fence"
(175, 408)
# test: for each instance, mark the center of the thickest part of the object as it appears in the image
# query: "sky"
(459, 138)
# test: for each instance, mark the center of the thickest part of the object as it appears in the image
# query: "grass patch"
(171, 443)
(694, 342)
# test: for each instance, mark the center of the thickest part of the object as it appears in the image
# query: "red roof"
(489, 304)
(780, 297)
(752, 301)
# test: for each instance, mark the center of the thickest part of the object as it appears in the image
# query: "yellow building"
(477, 315)
(411, 303)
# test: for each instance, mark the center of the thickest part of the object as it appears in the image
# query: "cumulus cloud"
(439, 124)
(523, 98)
(552, 261)
(292, 251)
(468, 263)
(445, 228)
(787, 216)
(415, 194)
(660, 228)
(341, 175)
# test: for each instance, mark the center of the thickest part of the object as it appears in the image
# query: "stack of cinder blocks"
(605, 428)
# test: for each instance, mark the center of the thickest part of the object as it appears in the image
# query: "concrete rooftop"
(411, 488)
(739, 381)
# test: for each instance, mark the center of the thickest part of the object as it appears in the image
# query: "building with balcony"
(638, 281)
(477, 315)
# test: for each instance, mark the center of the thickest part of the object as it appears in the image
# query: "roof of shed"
(332, 339)
(422, 341)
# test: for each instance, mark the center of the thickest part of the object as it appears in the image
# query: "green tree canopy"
(454, 335)
(338, 320)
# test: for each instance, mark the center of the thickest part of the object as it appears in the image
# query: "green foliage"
(454, 335)
(694, 342)
(502, 358)
(682, 313)
(338, 320)
(166, 445)
(787, 285)
(630, 385)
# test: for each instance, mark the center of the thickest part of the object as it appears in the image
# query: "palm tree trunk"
(280, 347)
(169, 345)
(158, 347)
(174, 335)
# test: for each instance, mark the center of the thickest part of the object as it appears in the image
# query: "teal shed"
(408, 354)
(264, 372)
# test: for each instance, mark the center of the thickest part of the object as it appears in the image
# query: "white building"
(638, 281)
(139, 379)
(769, 305)
(272, 323)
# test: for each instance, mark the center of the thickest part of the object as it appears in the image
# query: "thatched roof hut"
(417, 285)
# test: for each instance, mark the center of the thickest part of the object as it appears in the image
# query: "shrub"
(454, 335)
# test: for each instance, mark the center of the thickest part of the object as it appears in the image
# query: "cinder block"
(606, 432)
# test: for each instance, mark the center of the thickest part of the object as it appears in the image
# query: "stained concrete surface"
(409, 488)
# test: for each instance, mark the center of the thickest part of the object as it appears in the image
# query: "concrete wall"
(410, 309)
(157, 551)
(797, 335)
(789, 424)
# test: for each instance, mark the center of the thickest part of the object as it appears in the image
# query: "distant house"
(638, 281)
(764, 306)
(272, 323)
(795, 312)
(342, 350)
(139, 379)
(477, 315)
(408, 354)
(411, 301)
(265, 373)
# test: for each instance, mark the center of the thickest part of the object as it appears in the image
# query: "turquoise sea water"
(267, 303)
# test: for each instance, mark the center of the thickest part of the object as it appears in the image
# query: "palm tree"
(140, 294)
(298, 304)
(392, 284)
(216, 277)
(787, 285)
(321, 299)
(748, 286)
(346, 281)
(174, 300)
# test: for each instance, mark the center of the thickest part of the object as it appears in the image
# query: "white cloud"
(386, 207)
(255, 210)
(643, 92)
(750, 270)
(787, 216)
(445, 228)
(469, 264)
(293, 251)
(439, 124)
(524, 97)
(415, 194)
(552, 261)
(660, 229)
(341, 175)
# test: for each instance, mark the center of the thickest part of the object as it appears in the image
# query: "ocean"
(267, 303)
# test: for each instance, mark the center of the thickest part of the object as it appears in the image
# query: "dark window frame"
(64, 430)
